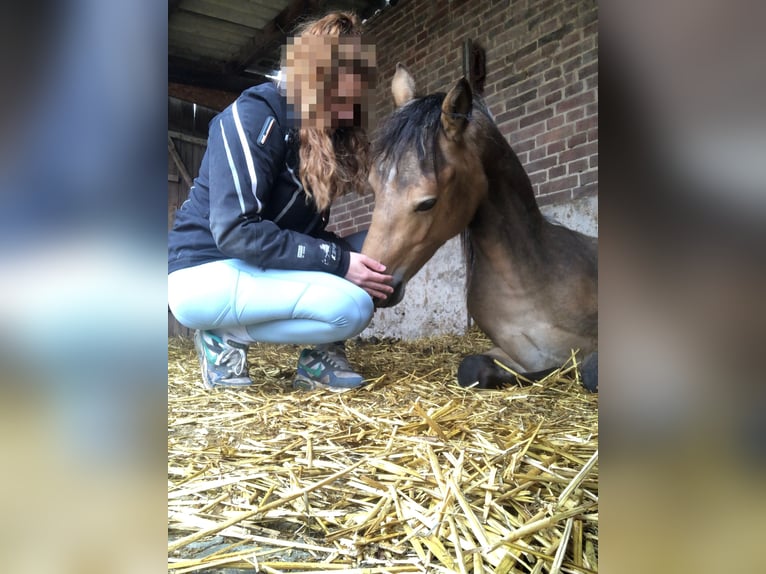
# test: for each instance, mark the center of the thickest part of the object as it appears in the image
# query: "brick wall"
(541, 84)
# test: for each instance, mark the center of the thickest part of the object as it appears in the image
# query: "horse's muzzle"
(392, 299)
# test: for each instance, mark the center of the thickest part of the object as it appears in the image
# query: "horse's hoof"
(589, 372)
(481, 372)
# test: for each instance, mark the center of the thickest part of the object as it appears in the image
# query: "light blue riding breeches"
(268, 305)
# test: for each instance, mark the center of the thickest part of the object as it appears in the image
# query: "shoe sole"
(306, 384)
(210, 386)
(213, 386)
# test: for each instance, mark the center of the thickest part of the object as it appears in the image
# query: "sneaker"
(224, 363)
(326, 367)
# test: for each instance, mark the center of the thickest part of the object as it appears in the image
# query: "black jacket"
(247, 201)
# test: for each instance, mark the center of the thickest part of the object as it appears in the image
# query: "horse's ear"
(402, 86)
(455, 109)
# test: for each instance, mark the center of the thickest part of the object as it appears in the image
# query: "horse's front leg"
(589, 372)
(483, 372)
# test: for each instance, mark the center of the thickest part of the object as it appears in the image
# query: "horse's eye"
(426, 204)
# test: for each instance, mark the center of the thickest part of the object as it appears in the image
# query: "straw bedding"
(409, 474)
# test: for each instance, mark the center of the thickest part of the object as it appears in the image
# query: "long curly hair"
(334, 160)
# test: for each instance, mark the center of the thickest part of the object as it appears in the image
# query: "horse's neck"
(509, 212)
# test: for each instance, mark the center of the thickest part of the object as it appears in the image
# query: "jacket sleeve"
(242, 171)
(334, 238)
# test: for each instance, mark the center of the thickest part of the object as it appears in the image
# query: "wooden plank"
(176, 135)
(187, 23)
(203, 47)
(254, 16)
(276, 31)
(214, 99)
(179, 162)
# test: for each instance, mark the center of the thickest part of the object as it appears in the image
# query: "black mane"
(413, 126)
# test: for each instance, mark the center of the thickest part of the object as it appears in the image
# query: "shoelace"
(233, 358)
(335, 363)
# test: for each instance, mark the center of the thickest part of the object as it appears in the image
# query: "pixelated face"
(329, 80)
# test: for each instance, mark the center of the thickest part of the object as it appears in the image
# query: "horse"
(441, 167)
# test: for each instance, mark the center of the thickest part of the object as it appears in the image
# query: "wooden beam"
(208, 97)
(179, 162)
(276, 32)
(209, 74)
(187, 138)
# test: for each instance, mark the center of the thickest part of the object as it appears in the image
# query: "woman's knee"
(190, 312)
(196, 301)
(359, 312)
(345, 306)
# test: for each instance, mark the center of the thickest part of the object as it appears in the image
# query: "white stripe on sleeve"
(233, 169)
(248, 155)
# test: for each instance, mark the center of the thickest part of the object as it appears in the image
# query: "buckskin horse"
(442, 167)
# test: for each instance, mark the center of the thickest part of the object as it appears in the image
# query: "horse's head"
(427, 177)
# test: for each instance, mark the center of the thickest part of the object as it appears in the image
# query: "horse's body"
(442, 167)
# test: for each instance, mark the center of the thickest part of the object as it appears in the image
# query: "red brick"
(588, 71)
(533, 106)
(527, 133)
(552, 98)
(571, 38)
(358, 212)
(534, 154)
(554, 85)
(577, 166)
(555, 147)
(543, 114)
(555, 122)
(538, 177)
(575, 115)
(575, 101)
(587, 124)
(553, 198)
(573, 89)
(542, 164)
(560, 184)
(557, 171)
(578, 152)
(525, 146)
(572, 64)
(509, 115)
(555, 135)
(588, 177)
(552, 74)
(576, 140)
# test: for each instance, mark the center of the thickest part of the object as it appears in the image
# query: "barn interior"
(411, 473)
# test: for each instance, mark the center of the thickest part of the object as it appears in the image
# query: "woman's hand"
(368, 274)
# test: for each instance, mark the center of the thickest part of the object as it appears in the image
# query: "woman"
(249, 257)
